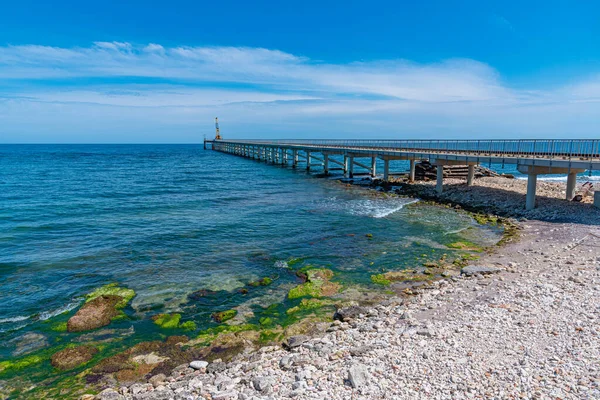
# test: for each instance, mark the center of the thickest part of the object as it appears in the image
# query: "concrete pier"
(531, 157)
(373, 166)
(531, 188)
(439, 184)
(471, 175)
(571, 181)
(386, 169)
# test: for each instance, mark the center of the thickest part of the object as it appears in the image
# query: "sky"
(160, 72)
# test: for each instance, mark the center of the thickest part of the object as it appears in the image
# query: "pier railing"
(581, 149)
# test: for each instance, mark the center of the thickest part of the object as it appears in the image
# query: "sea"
(172, 221)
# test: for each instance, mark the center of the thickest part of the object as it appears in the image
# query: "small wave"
(49, 314)
(456, 231)
(13, 319)
(378, 208)
(281, 264)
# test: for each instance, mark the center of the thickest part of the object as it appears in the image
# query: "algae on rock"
(317, 284)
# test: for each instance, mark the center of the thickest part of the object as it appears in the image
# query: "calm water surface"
(167, 221)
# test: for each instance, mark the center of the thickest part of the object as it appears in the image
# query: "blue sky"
(114, 71)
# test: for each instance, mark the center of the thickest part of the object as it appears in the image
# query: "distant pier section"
(531, 157)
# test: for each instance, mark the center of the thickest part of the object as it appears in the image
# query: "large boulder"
(73, 357)
(95, 313)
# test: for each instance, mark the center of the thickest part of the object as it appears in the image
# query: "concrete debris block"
(198, 364)
(358, 376)
(262, 384)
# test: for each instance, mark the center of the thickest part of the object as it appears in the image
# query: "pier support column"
(531, 187)
(326, 163)
(373, 166)
(411, 174)
(386, 169)
(345, 164)
(439, 186)
(351, 167)
(470, 175)
(294, 158)
(571, 180)
(308, 160)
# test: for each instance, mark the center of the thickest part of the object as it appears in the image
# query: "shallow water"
(167, 221)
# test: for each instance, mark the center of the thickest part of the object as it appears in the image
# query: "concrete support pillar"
(386, 169)
(373, 166)
(345, 165)
(350, 167)
(470, 175)
(531, 187)
(294, 158)
(308, 160)
(281, 156)
(411, 175)
(571, 180)
(326, 163)
(439, 187)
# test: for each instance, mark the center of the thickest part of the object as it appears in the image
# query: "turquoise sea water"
(169, 220)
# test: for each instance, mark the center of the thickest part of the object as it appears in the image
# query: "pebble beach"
(520, 323)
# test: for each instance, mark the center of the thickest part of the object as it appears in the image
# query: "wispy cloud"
(276, 93)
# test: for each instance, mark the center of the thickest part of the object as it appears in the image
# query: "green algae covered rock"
(380, 279)
(100, 308)
(266, 281)
(112, 289)
(407, 275)
(70, 358)
(317, 284)
(171, 321)
(223, 316)
(94, 314)
(168, 321)
(15, 365)
(307, 304)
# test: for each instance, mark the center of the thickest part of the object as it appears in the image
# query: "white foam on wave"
(13, 319)
(376, 208)
(49, 314)
(281, 264)
(456, 231)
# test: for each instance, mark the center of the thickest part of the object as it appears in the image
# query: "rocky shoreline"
(522, 323)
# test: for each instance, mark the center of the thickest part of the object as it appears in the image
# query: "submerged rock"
(73, 357)
(29, 342)
(95, 313)
(223, 316)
